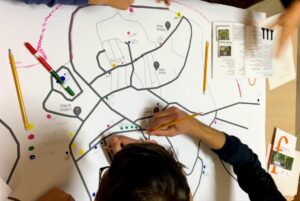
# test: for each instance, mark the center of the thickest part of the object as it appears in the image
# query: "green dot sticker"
(31, 148)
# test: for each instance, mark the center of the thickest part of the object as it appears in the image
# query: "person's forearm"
(251, 177)
(94, 2)
(210, 136)
(52, 2)
(119, 4)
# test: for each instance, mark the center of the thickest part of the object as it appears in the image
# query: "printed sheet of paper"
(228, 44)
(289, 187)
(122, 66)
(284, 162)
(241, 51)
(283, 153)
(284, 66)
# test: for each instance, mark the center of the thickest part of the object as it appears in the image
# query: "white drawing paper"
(122, 65)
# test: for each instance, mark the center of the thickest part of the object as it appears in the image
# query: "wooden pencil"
(178, 121)
(205, 67)
(19, 91)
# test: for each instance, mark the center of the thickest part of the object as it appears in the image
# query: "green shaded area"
(281, 160)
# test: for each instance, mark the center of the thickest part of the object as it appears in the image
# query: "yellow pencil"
(19, 92)
(178, 121)
(205, 67)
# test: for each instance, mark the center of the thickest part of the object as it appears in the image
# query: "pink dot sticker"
(49, 116)
(131, 10)
(31, 137)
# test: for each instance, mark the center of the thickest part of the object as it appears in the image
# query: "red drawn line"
(41, 37)
(44, 29)
(28, 66)
(239, 87)
(253, 82)
(190, 7)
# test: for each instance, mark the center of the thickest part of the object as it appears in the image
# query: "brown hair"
(144, 172)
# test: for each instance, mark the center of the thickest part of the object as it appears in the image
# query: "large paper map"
(123, 66)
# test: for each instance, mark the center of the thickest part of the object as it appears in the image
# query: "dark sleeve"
(52, 2)
(286, 3)
(252, 178)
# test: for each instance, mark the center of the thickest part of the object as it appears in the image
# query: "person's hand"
(56, 194)
(189, 126)
(119, 4)
(116, 143)
(167, 2)
(288, 21)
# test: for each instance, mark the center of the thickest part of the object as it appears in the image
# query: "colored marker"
(44, 63)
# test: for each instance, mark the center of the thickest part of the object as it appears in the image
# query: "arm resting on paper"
(119, 4)
(252, 178)
(52, 2)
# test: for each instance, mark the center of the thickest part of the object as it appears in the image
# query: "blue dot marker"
(63, 78)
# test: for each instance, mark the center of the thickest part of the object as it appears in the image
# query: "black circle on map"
(156, 110)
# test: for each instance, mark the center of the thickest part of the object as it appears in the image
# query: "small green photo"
(225, 49)
(281, 160)
(223, 34)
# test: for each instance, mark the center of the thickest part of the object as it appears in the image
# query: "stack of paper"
(284, 66)
(284, 163)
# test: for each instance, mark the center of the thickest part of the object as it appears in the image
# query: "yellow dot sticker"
(71, 134)
(178, 14)
(113, 65)
(30, 127)
(81, 151)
